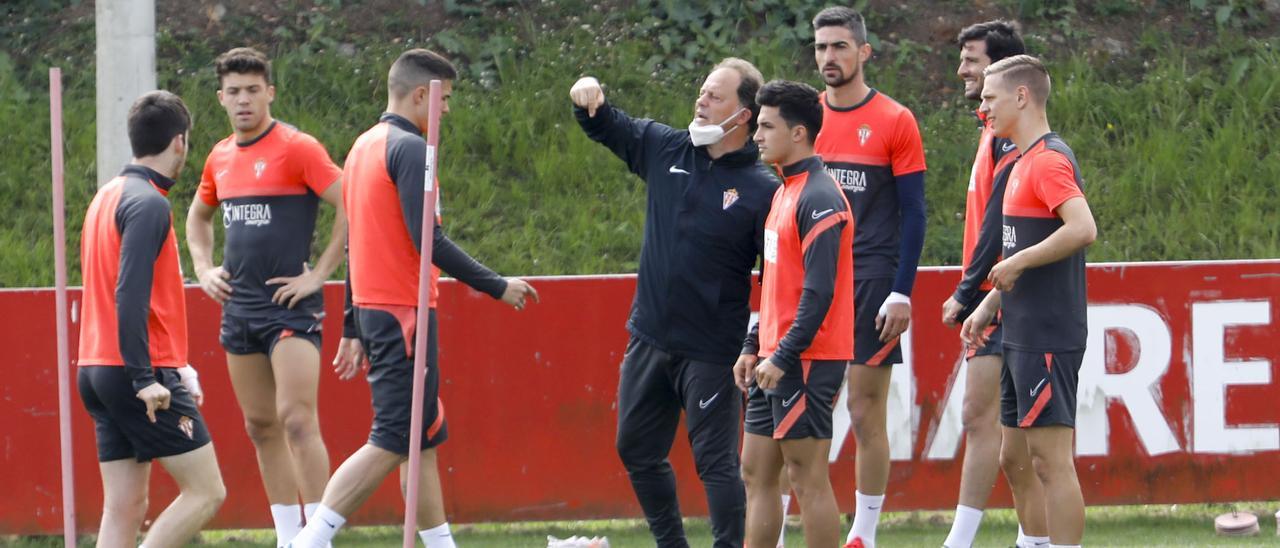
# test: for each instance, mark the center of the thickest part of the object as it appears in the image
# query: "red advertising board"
(1176, 402)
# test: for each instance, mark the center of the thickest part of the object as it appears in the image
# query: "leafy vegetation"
(1173, 130)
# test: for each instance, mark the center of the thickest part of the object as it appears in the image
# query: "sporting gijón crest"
(730, 196)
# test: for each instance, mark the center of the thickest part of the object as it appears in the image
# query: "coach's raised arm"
(707, 199)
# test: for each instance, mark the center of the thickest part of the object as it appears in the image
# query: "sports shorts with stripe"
(800, 405)
(868, 295)
(259, 335)
(387, 333)
(995, 331)
(1039, 388)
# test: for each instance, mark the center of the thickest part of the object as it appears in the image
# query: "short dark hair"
(797, 103)
(243, 61)
(1002, 38)
(840, 16)
(1023, 70)
(418, 67)
(154, 120)
(749, 83)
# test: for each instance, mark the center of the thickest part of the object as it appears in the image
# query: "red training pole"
(60, 301)
(424, 316)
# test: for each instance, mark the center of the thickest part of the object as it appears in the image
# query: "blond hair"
(1023, 70)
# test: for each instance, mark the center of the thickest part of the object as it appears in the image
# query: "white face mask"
(710, 134)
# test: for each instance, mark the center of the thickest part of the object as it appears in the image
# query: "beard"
(975, 94)
(840, 78)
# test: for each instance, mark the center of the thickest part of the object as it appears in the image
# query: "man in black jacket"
(708, 196)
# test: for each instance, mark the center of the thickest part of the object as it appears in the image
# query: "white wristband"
(894, 298)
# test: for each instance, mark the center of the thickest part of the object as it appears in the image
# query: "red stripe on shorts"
(1042, 401)
(883, 353)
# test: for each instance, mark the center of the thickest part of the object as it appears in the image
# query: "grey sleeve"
(752, 343)
(406, 163)
(457, 263)
(986, 251)
(144, 223)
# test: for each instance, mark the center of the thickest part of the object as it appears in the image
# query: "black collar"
(144, 172)
(400, 122)
(747, 155)
(803, 166)
(871, 95)
(264, 135)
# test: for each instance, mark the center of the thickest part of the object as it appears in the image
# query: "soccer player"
(872, 148)
(269, 177)
(805, 332)
(980, 45)
(134, 339)
(1039, 290)
(708, 197)
(383, 187)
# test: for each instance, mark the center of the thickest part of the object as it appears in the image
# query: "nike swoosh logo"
(675, 169)
(787, 402)
(326, 522)
(1037, 388)
(702, 404)
(817, 214)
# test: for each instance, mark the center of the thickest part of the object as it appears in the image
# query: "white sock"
(865, 517)
(309, 509)
(437, 537)
(288, 521)
(324, 524)
(964, 528)
(782, 531)
(1026, 541)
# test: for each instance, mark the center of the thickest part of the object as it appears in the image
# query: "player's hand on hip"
(1005, 273)
(517, 292)
(894, 321)
(350, 358)
(587, 93)
(744, 371)
(191, 381)
(296, 288)
(213, 281)
(155, 396)
(974, 330)
(951, 310)
(768, 375)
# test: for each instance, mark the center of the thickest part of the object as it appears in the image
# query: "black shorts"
(245, 335)
(800, 406)
(868, 295)
(995, 343)
(120, 419)
(759, 416)
(1039, 388)
(387, 334)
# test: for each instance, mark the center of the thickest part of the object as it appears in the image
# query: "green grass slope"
(1174, 131)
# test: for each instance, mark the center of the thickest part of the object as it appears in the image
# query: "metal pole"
(125, 59)
(424, 316)
(60, 301)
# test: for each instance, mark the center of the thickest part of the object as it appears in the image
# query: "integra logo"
(852, 180)
(1010, 237)
(249, 214)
